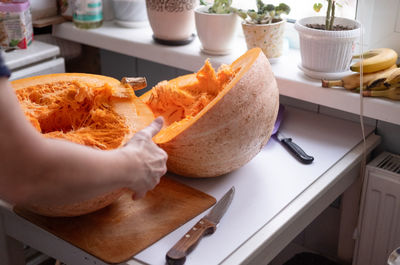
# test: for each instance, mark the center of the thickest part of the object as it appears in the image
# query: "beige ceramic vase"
(269, 37)
(172, 21)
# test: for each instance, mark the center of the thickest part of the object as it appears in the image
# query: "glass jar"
(88, 14)
(15, 25)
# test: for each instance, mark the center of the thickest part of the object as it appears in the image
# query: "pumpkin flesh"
(82, 110)
(181, 99)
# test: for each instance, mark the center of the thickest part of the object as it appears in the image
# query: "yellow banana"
(392, 93)
(375, 60)
(353, 81)
(393, 79)
(381, 80)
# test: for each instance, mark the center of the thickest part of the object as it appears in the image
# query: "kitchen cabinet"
(276, 198)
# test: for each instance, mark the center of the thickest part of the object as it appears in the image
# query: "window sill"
(291, 80)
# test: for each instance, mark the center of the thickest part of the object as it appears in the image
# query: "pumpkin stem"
(136, 83)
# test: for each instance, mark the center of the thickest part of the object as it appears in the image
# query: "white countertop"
(292, 81)
(272, 191)
(265, 185)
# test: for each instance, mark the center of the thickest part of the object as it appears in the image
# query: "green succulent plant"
(219, 6)
(265, 13)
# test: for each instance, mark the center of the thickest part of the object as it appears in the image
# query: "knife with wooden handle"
(207, 225)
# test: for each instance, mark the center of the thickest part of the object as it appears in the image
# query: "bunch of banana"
(381, 76)
(352, 81)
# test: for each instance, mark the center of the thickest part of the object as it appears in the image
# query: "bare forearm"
(35, 168)
(48, 170)
(67, 173)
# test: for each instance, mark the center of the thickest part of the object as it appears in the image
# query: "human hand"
(146, 161)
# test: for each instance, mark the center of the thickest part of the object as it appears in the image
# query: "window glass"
(304, 8)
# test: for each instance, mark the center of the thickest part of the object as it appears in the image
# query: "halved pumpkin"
(93, 110)
(216, 122)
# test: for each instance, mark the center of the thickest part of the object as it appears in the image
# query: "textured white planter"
(172, 21)
(269, 37)
(215, 31)
(327, 51)
(130, 13)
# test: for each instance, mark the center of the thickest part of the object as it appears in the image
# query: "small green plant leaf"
(317, 7)
(269, 8)
(282, 9)
(242, 14)
(14, 43)
(221, 7)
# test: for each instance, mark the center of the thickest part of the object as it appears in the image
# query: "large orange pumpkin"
(215, 121)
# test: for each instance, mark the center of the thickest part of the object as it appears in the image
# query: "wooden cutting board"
(121, 230)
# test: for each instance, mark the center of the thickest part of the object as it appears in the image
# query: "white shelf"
(292, 82)
(37, 52)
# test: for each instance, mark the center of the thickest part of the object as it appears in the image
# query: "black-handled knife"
(295, 149)
(207, 225)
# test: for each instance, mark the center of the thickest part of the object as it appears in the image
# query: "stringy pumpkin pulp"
(180, 99)
(74, 111)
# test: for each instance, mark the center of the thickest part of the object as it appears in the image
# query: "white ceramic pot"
(42, 8)
(327, 51)
(130, 13)
(215, 31)
(108, 10)
(172, 21)
(269, 37)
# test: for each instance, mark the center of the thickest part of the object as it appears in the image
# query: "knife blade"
(207, 225)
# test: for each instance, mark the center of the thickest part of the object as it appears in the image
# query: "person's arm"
(37, 169)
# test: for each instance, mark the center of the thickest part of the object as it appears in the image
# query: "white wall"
(381, 22)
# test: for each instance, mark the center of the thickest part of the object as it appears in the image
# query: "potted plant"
(172, 21)
(327, 43)
(216, 26)
(265, 27)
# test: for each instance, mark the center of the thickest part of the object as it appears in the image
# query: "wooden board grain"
(121, 230)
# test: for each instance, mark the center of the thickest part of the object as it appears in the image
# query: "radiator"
(379, 226)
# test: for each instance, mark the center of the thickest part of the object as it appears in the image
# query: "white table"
(276, 198)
